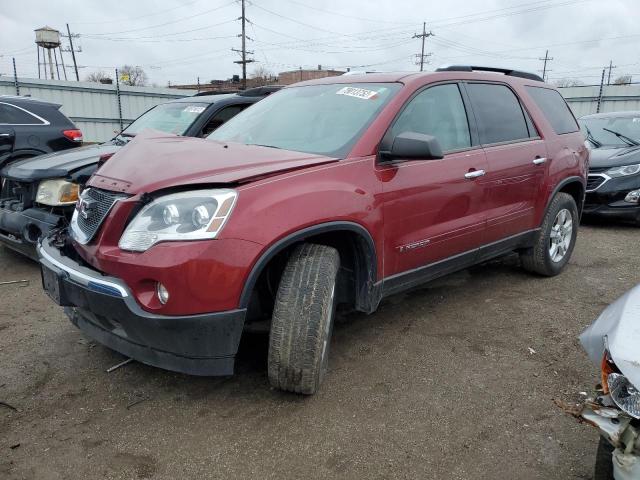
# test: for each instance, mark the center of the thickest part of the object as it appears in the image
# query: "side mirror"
(412, 145)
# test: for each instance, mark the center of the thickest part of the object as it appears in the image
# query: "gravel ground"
(439, 383)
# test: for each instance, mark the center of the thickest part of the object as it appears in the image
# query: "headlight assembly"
(194, 215)
(623, 171)
(625, 395)
(57, 192)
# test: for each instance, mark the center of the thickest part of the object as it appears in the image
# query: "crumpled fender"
(618, 329)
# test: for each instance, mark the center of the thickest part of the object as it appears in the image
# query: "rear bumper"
(104, 309)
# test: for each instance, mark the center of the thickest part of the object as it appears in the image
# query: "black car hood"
(607, 157)
(58, 164)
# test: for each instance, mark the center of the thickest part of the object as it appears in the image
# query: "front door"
(433, 209)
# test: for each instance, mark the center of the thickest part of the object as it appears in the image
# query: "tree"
(133, 76)
(262, 76)
(99, 77)
(569, 82)
(622, 80)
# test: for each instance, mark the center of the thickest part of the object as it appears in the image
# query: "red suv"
(337, 191)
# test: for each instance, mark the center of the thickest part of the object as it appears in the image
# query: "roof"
(409, 77)
(203, 98)
(631, 113)
(18, 100)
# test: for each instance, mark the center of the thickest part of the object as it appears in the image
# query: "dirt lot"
(439, 383)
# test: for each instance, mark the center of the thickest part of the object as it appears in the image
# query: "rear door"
(516, 158)
(7, 133)
(433, 209)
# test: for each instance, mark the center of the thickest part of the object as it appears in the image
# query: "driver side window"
(438, 111)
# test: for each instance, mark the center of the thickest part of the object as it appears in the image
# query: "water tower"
(48, 39)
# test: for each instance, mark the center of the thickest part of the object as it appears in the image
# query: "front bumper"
(104, 309)
(20, 230)
(607, 200)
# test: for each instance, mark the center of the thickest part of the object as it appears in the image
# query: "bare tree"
(262, 76)
(569, 82)
(133, 76)
(622, 80)
(99, 77)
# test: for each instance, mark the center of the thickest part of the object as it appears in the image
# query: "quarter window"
(437, 111)
(498, 112)
(554, 108)
(10, 115)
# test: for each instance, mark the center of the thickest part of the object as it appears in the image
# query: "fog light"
(162, 292)
(633, 196)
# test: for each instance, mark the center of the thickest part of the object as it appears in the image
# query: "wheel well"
(356, 277)
(576, 190)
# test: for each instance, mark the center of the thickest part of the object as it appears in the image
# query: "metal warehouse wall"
(93, 107)
(584, 100)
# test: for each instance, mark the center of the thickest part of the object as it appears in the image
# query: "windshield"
(611, 131)
(318, 119)
(167, 117)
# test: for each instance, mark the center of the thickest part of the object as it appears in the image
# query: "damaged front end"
(612, 344)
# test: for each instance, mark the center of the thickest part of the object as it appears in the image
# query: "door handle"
(539, 161)
(474, 174)
(5, 134)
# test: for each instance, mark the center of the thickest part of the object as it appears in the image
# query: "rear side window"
(554, 108)
(437, 111)
(498, 113)
(11, 115)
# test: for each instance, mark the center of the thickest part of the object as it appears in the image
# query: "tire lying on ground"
(556, 238)
(302, 320)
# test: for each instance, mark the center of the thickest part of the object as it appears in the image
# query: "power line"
(166, 23)
(138, 17)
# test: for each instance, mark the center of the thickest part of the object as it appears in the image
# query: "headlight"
(57, 192)
(195, 215)
(623, 171)
(624, 394)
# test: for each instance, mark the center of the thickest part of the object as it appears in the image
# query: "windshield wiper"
(261, 145)
(592, 139)
(628, 140)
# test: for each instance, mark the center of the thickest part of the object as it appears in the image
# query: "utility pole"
(15, 77)
(244, 51)
(601, 88)
(73, 53)
(546, 59)
(611, 67)
(423, 36)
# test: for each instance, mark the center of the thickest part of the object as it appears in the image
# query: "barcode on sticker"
(357, 92)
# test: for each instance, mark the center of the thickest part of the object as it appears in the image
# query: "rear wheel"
(302, 320)
(556, 238)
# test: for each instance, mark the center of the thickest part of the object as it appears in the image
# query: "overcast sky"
(180, 40)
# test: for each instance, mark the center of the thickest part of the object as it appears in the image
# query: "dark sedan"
(39, 194)
(613, 185)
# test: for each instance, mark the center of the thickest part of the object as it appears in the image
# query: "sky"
(178, 41)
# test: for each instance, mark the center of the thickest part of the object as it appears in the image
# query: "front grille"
(93, 207)
(595, 181)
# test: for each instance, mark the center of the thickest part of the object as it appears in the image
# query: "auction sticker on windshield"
(357, 92)
(194, 109)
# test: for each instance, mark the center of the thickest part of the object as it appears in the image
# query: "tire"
(604, 462)
(541, 258)
(302, 320)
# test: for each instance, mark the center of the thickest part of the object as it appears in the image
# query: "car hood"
(154, 160)
(607, 157)
(58, 164)
(619, 325)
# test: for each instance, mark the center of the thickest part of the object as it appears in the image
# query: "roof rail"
(506, 71)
